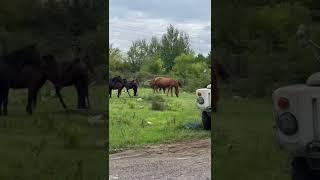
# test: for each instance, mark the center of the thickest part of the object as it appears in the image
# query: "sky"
(130, 20)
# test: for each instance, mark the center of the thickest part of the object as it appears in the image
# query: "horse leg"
(5, 101)
(128, 92)
(135, 91)
(5, 106)
(171, 91)
(177, 91)
(87, 97)
(81, 96)
(41, 83)
(1, 102)
(30, 98)
(119, 92)
(58, 89)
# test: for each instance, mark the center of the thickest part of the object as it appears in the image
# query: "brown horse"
(168, 83)
(154, 86)
(218, 71)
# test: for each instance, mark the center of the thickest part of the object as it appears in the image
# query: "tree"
(193, 73)
(137, 54)
(116, 60)
(174, 43)
(154, 48)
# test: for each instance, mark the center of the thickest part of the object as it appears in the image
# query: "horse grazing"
(64, 74)
(116, 83)
(218, 71)
(154, 86)
(133, 84)
(169, 84)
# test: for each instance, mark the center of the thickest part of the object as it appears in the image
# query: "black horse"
(133, 84)
(74, 73)
(18, 70)
(116, 83)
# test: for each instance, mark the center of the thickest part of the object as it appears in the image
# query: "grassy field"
(52, 144)
(245, 146)
(133, 122)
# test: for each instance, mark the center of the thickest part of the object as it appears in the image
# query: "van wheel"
(206, 120)
(300, 169)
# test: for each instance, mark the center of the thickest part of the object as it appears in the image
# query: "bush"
(158, 106)
(157, 103)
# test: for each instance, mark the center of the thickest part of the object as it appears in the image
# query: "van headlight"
(200, 100)
(287, 123)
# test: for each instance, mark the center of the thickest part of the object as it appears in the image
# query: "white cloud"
(129, 24)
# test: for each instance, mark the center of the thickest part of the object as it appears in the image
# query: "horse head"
(116, 79)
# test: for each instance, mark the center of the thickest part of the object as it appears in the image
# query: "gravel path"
(183, 160)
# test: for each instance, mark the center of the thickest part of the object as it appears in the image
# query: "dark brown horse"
(116, 83)
(168, 83)
(74, 73)
(133, 84)
(218, 72)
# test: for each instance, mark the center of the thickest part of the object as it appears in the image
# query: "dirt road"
(184, 160)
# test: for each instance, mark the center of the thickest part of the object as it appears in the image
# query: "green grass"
(134, 123)
(52, 144)
(245, 146)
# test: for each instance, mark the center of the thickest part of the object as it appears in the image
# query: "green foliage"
(154, 65)
(32, 147)
(152, 126)
(257, 44)
(158, 106)
(116, 59)
(137, 54)
(174, 43)
(192, 72)
(148, 59)
(244, 134)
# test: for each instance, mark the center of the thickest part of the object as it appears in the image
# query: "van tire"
(206, 120)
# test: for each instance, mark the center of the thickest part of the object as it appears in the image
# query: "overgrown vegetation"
(243, 132)
(257, 43)
(136, 122)
(53, 143)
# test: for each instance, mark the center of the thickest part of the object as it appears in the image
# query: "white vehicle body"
(204, 104)
(204, 98)
(301, 114)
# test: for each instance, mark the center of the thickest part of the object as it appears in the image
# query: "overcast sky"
(131, 20)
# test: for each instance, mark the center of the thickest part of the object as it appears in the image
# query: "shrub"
(157, 103)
